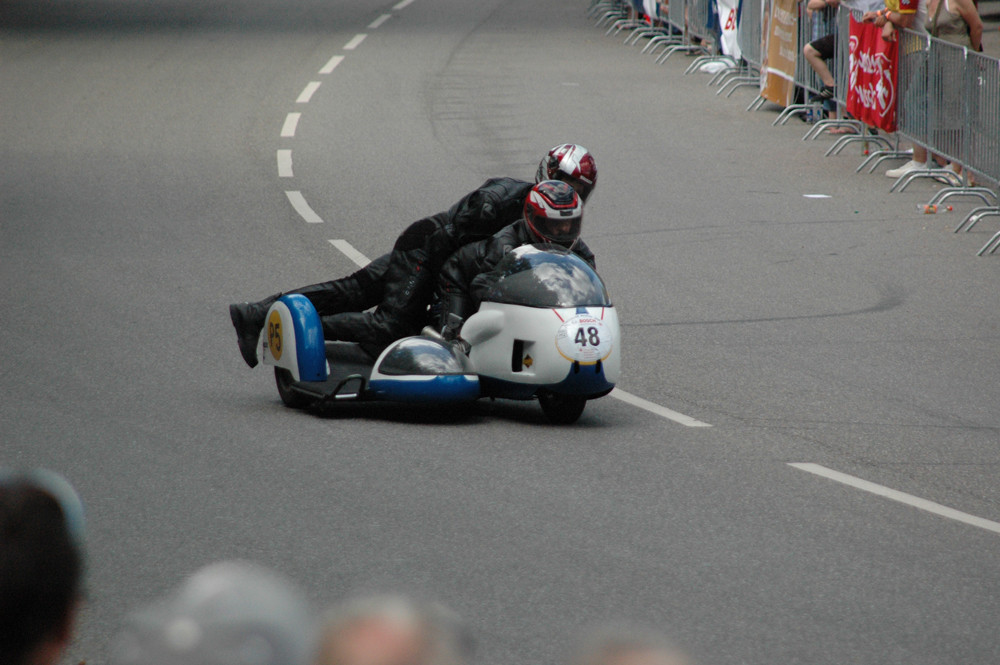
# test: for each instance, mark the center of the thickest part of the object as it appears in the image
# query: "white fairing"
(292, 339)
(276, 345)
(549, 341)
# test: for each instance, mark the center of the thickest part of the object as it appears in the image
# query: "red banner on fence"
(871, 92)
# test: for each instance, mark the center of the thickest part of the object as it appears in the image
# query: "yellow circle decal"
(274, 334)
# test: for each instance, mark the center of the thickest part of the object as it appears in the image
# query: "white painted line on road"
(355, 42)
(285, 164)
(305, 212)
(902, 497)
(379, 21)
(347, 249)
(402, 5)
(291, 122)
(307, 92)
(332, 64)
(661, 411)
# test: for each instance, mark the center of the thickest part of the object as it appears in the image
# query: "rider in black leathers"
(400, 285)
(552, 213)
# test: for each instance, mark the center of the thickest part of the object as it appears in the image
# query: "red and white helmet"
(570, 163)
(554, 212)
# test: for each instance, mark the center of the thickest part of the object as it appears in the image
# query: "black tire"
(292, 398)
(561, 409)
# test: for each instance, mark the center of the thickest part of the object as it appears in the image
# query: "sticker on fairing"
(584, 339)
(274, 335)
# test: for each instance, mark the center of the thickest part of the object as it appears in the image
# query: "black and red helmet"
(570, 163)
(554, 212)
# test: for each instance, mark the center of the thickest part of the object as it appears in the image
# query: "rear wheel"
(291, 397)
(561, 409)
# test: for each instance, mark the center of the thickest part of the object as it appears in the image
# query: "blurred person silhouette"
(41, 566)
(226, 613)
(393, 630)
(626, 644)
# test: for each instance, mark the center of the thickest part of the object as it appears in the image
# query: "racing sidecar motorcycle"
(546, 329)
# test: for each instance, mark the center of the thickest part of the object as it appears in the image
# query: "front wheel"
(561, 409)
(291, 397)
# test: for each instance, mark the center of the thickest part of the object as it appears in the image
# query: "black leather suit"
(401, 284)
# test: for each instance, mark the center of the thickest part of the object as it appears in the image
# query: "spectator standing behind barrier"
(820, 51)
(227, 613)
(956, 22)
(910, 15)
(393, 630)
(41, 566)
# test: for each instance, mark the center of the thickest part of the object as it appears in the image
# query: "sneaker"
(825, 93)
(911, 165)
(248, 319)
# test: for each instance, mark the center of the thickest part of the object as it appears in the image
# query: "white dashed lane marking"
(332, 64)
(308, 92)
(290, 126)
(901, 497)
(285, 164)
(355, 42)
(305, 212)
(291, 123)
(348, 250)
(656, 409)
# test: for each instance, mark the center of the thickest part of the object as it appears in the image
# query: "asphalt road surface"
(161, 159)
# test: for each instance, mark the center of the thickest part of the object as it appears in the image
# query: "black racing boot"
(248, 319)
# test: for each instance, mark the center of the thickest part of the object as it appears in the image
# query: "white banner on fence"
(728, 15)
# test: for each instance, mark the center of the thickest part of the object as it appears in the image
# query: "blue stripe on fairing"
(590, 380)
(430, 390)
(310, 349)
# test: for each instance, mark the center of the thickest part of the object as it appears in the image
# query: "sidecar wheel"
(292, 399)
(561, 409)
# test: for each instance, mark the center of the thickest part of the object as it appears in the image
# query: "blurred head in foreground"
(227, 613)
(41, 566)
(393, 630)
(624, 644)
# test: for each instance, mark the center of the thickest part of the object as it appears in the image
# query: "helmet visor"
(564, 231)
(583, 189)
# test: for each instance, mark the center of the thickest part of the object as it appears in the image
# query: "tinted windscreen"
(546, 276)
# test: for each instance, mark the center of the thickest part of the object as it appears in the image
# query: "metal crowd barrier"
(699, 15)
(949, 103)
(810, 28)
(840, 68)
(748, 36)
(948, 97)
(681, 17)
